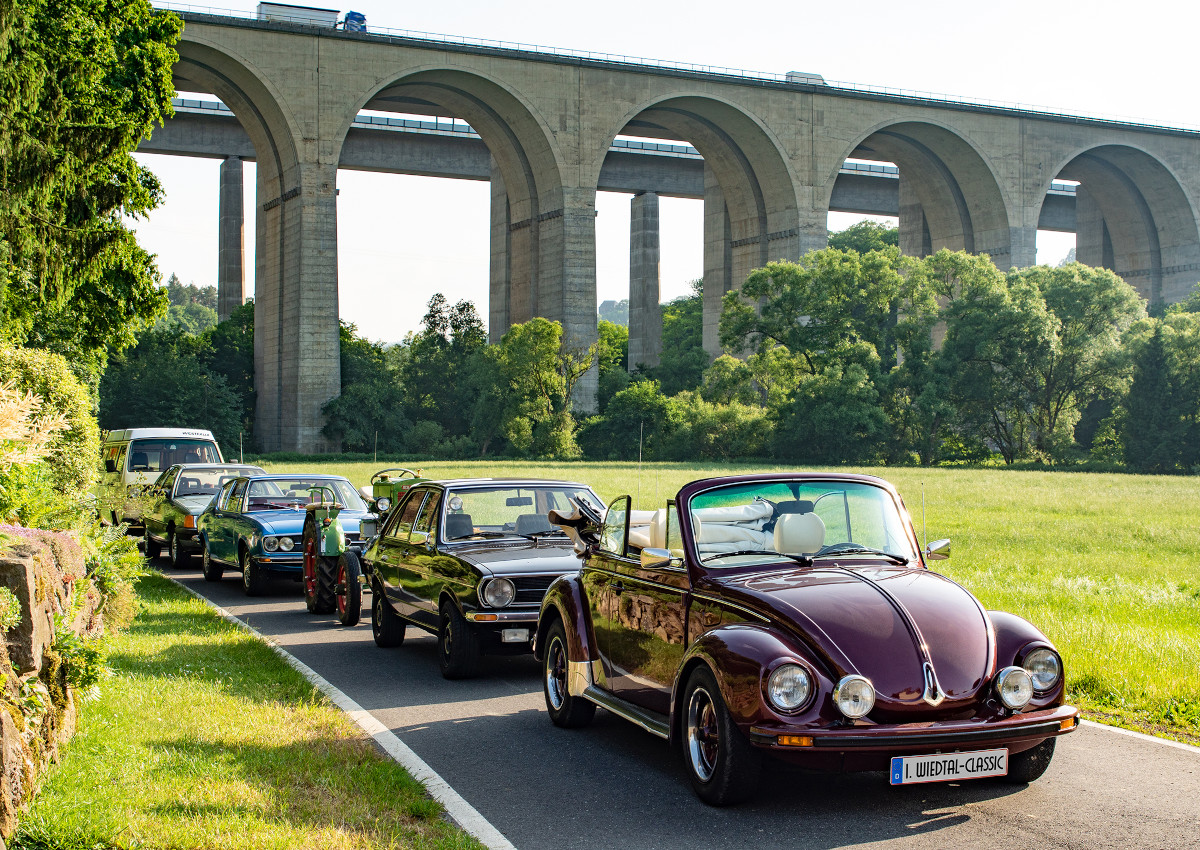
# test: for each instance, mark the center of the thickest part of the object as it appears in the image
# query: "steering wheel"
(378, 476)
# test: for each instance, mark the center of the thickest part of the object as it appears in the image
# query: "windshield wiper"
(856, 549)
(803, 560)
(534, 535)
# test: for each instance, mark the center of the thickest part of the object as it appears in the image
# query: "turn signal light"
(795, 740)
(1069, 723)
(486, 618)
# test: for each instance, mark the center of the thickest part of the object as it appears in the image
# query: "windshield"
(505, 511)
(270, 494)
(206, 482)
(157, 455)
(756, 522)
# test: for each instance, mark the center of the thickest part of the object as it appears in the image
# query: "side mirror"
(367, 528)
(110, 465)
(938, 550)
(652, 557)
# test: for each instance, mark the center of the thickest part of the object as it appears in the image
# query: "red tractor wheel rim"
(310, 567)
(341, 589)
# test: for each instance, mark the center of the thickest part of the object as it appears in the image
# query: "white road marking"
(464, 814)
(1187, 748)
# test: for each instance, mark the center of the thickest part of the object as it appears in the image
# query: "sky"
(1103, 59)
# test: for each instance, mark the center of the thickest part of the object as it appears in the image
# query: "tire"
(254, 582)
(211, 569)
(180, 557)
(569, 712)
(386, 625)
(723, 766)
(1029, 765)
(153, 547)
(458, 645)
(347, 590)
(319, 575)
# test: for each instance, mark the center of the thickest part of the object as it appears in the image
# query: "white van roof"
(121, 436)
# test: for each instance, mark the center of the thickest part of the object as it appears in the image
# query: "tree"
(230, 347)
(612, 358)
(865, 236)
(683, 361)
(82, 83)
(163, 381)
(192, 308)
(434, 364)
(367, 414)
(1159, 418)
(639, 419)
(537, 376)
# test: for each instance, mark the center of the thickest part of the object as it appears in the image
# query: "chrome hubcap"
(556, 673)
(703, 739)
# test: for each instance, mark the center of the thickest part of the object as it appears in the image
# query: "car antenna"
(641, 429)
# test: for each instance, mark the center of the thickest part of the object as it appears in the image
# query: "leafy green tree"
(163, 382)
(865, 236)
(537, 376)
(367, 415)
(1159, 418)
(683, 360)
(82, 83)
(192, 308)
(434, 364)
(230, 354)
(713, 431)
(638, 418)
(612, 358)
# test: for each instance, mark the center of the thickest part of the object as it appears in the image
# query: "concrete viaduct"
(768, 157)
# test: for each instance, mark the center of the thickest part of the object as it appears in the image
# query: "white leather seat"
(658, 529)
(799, 534)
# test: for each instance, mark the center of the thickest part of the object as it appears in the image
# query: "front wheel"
(386, 625)
(458, 645)
(347, 589)
(1031, 764)
(254, 582)
(211, 569)
(723, 766)
(179, 556)
(564, 709)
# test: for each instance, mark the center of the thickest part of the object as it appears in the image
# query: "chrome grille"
(531, 589)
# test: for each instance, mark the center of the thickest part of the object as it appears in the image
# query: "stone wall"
(47, 574)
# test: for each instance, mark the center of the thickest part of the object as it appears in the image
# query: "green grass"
(1107, 565)
(206, 738)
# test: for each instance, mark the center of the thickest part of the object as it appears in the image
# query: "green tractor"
(388, 485)
(324, 545)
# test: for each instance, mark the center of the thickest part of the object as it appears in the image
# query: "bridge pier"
(645, 316)
(500, 277)
(231, 275)
(718, 261)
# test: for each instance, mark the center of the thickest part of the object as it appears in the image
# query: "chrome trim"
(716, 600)
(651, 722)
(653, 558)
(934, 695)
(579, 677)
(503, 616)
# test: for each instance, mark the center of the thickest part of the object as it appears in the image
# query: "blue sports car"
(256, 525)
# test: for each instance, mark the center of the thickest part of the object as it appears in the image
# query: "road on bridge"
(613, 785)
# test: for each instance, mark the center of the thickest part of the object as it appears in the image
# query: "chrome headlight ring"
(270, 544)
(1044, 667)
(1014, 687)
(854, 696)
(789, 688)
(498, 592)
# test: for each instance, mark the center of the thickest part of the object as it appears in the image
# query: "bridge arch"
(950, 196)
(1132, 215)
(750, 197)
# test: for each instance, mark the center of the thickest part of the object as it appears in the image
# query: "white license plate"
(948, 767)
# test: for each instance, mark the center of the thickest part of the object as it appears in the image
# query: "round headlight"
(1043, 668)
(271, 544)
(789, 687)
(383, 503)
(854, 696)
(287, 544)
(1014, 687)
(499, 592)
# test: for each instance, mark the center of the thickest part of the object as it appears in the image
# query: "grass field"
(1108, 566)
(205, 738)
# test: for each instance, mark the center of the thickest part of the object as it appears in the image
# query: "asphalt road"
(613, 786)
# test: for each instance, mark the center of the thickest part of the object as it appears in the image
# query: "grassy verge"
(205, 738)
(1107, 565)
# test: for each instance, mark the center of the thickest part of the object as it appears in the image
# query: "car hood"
(519, 558)
(884, 623)
(292, 522)
(193, 504)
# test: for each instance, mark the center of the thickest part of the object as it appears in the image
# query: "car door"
(420, 579)
(160, 493)
(646, 622)
(222, 539)
(391, 550)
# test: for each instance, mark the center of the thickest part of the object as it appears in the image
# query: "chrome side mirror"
(938, 550)
(652, 557)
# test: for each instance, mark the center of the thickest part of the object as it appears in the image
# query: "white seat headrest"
(799, 534)
(658, 529)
